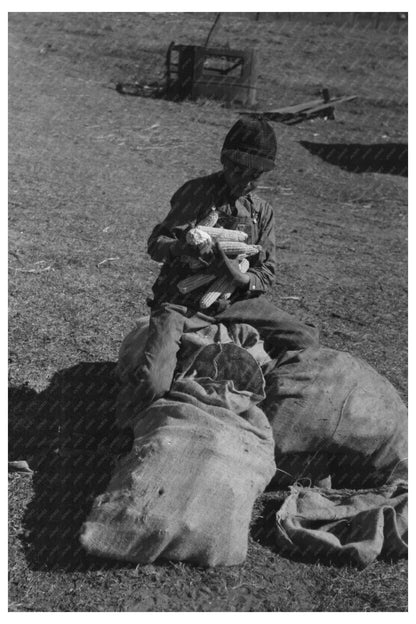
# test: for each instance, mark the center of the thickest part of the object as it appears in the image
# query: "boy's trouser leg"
(153, 376)
(155, 373)
(280, 331)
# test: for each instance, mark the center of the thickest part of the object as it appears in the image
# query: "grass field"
(90, 173)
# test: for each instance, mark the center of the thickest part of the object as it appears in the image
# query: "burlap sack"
(333, 414)
(344, 526)
(200, 458)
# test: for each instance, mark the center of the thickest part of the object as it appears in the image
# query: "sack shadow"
(67, 433)
(389, 158)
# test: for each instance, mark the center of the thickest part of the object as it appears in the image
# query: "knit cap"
(252, 143)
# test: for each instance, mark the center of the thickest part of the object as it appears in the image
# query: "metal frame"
(189, 77)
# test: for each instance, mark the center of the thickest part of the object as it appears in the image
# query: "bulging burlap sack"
(333, 414)
(201, 456)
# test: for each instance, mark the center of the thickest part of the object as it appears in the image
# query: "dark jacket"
(191, 203)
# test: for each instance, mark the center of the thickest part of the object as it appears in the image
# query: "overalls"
(248, 224)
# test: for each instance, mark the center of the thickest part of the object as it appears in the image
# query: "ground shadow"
(68, 435)
(378, 158)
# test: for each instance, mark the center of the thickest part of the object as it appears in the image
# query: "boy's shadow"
(68, 434)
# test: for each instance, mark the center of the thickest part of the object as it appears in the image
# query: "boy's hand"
(181, 248)
(229, 266)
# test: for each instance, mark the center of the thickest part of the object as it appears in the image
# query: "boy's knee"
(154, 377)
(309, 337)
(294, 336)
(154, 384)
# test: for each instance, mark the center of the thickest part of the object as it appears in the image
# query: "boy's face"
(240, 179)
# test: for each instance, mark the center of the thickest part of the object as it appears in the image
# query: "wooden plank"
(296, 107)
(284, 110)
(344, 98)
(317, 109)
(329, 104)
(306, 107)
(304, 115)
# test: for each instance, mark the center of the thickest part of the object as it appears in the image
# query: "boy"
(249, 150)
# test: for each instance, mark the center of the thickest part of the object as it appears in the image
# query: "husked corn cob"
(244, 265)
(223, 234)
(193, 282)
(197, 237)
(234, 248)
(210, 220)
(223, 286)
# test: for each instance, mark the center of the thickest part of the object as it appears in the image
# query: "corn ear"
(223, 286)
(244, 265)
(188, 284)
(210, 220)
(222, 234)
(234, 248)
(197, 237)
